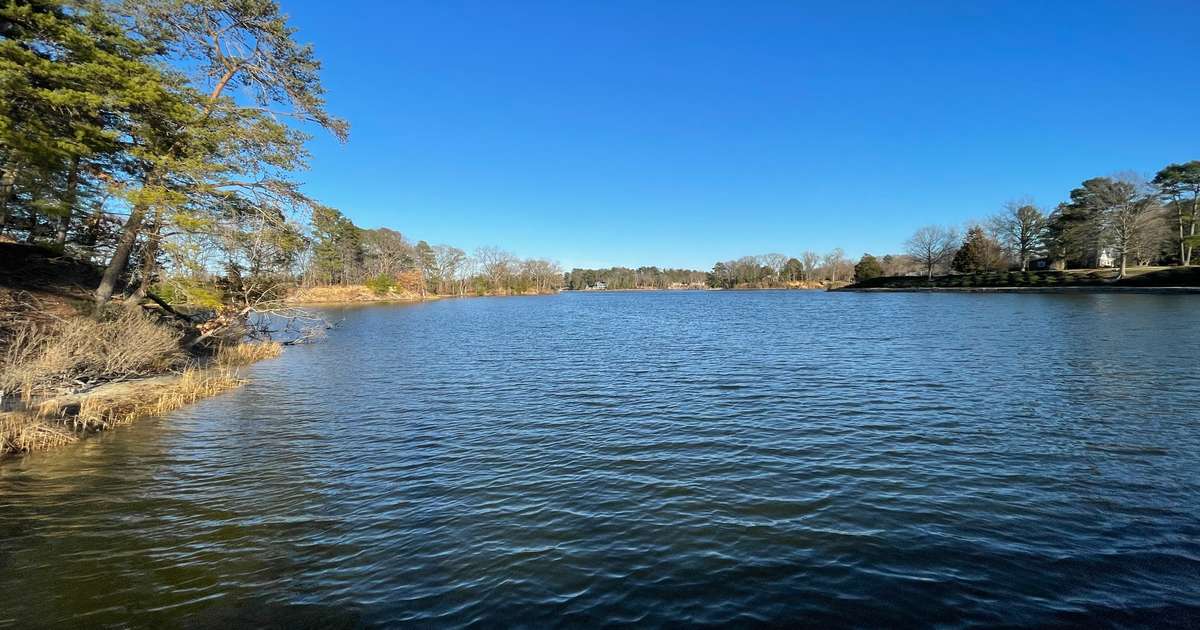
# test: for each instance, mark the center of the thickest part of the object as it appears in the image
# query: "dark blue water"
(652, 459)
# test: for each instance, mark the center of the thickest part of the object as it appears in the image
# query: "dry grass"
(23, 432)
(71, 352)
(246, 353)
(104, 410)
(347, 293)
(63, 420)
(139, 363)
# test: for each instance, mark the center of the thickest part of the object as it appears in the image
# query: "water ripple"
(656, 459)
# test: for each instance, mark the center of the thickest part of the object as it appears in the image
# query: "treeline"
(383, 259)
(780, 271)
(766, 271)
(1117, 221)
(624, 278)
(160, 138)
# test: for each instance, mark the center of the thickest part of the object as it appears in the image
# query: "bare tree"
(896, 265)
(1154, 239)
(385, 252)
(931, 246)
(1127, 212)
(466, 273)
(1020, 228)
(810, 260)
(775, 262)
(447, 262)
(497, 265)
(835, 264)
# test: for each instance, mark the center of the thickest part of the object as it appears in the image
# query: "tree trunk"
(33, 223)
(149, 258)
(7, 179)
(64, 222)
(1121, 274)
(116, 267)
(1183, 253)
(1187, 255)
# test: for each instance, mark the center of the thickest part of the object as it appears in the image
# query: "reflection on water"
(651, 458)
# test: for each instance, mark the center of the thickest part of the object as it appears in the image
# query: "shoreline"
(399, 299)
(697, 290)
(63, 419)
(1061, 289)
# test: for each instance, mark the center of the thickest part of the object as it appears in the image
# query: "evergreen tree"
(219, 146)
(867, 267)
(337, 246)
(70, 80)
(978, 253)
(1179, 185)
(793, 270)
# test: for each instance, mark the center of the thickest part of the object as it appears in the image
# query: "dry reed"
(66, 354)
(45, 359)
(107, 410)
(62, 420)
(347, 293)
(233, 355)
(23, 432)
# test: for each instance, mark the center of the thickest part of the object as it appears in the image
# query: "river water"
(649, 458)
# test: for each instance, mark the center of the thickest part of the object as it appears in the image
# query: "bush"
(381, 284)
(867, 268)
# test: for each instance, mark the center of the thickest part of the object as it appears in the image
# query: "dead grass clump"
(63, 420)
(22, 432)
(79, 350)
(233, 355)
(347, 293)
(118, 405)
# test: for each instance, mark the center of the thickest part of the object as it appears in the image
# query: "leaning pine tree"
(217, 157)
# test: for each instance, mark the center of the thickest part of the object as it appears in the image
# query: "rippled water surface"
(650, 458)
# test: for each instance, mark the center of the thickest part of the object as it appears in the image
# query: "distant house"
(600, 286)
(1102, 257)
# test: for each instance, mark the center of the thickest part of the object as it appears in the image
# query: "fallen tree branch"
(168, 308)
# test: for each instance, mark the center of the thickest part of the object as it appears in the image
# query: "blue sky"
(681, 133)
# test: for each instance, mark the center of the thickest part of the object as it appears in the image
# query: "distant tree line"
(341, 253)
(780, 271)
(1118, 221)
(624, 278)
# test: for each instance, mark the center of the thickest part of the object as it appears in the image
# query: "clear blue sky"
(680, 133)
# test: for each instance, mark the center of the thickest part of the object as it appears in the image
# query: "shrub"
(381, 284)
(868, 267)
